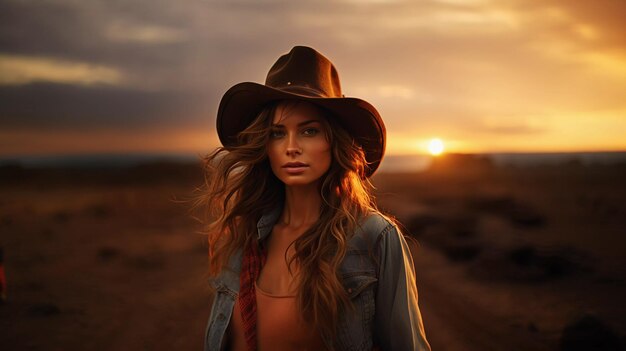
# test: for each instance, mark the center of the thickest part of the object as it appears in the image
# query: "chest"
(279, 275)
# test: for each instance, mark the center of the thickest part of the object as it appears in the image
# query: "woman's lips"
(295, 168)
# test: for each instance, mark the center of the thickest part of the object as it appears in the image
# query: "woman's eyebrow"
(308, 122)
(299, 124)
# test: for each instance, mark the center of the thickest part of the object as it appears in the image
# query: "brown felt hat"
(303, 74)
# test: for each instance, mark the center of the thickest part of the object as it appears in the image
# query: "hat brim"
(241, 104)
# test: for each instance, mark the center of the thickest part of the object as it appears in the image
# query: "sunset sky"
(80, 76)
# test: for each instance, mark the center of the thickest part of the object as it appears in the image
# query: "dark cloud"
(213, 39)
(66, 107)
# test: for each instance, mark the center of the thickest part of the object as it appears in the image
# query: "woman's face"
(298, 149)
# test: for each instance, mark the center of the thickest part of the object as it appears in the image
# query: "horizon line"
(200, 153)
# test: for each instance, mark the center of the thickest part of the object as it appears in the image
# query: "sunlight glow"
(125, 32)
(435, 146)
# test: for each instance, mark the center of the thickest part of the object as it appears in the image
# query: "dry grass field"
(508, 258)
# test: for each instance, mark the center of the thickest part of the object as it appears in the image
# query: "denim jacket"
(382, 290)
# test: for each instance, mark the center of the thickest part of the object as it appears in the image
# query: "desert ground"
(506, 258)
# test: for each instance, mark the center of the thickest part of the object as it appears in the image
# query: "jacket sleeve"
(398, 321)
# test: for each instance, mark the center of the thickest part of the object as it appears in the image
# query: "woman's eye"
(310, 131)
(276, 134)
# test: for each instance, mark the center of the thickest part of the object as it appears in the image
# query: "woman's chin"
(297, 180)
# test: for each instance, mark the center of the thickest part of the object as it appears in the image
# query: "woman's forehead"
(288, 112)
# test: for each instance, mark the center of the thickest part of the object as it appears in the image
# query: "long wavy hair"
(240, 187)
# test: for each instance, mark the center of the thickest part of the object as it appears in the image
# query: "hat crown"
(305, 71)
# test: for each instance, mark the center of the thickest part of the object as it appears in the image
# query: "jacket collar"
(229, 278)
(266, 223)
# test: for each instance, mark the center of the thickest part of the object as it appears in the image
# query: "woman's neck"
(302, 206)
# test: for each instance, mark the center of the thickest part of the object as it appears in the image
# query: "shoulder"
(372, 228)
(228, 278)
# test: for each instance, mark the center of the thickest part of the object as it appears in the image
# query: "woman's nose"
(293, 147)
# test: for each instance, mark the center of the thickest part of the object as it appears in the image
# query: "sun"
(435, 146)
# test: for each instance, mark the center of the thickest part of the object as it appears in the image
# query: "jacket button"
(350, 290)
(221, 317)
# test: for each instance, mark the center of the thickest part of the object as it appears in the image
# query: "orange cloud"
(18, 70)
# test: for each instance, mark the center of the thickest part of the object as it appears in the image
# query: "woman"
(300, 258)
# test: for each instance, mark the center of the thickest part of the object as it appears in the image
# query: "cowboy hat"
(306, 75)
